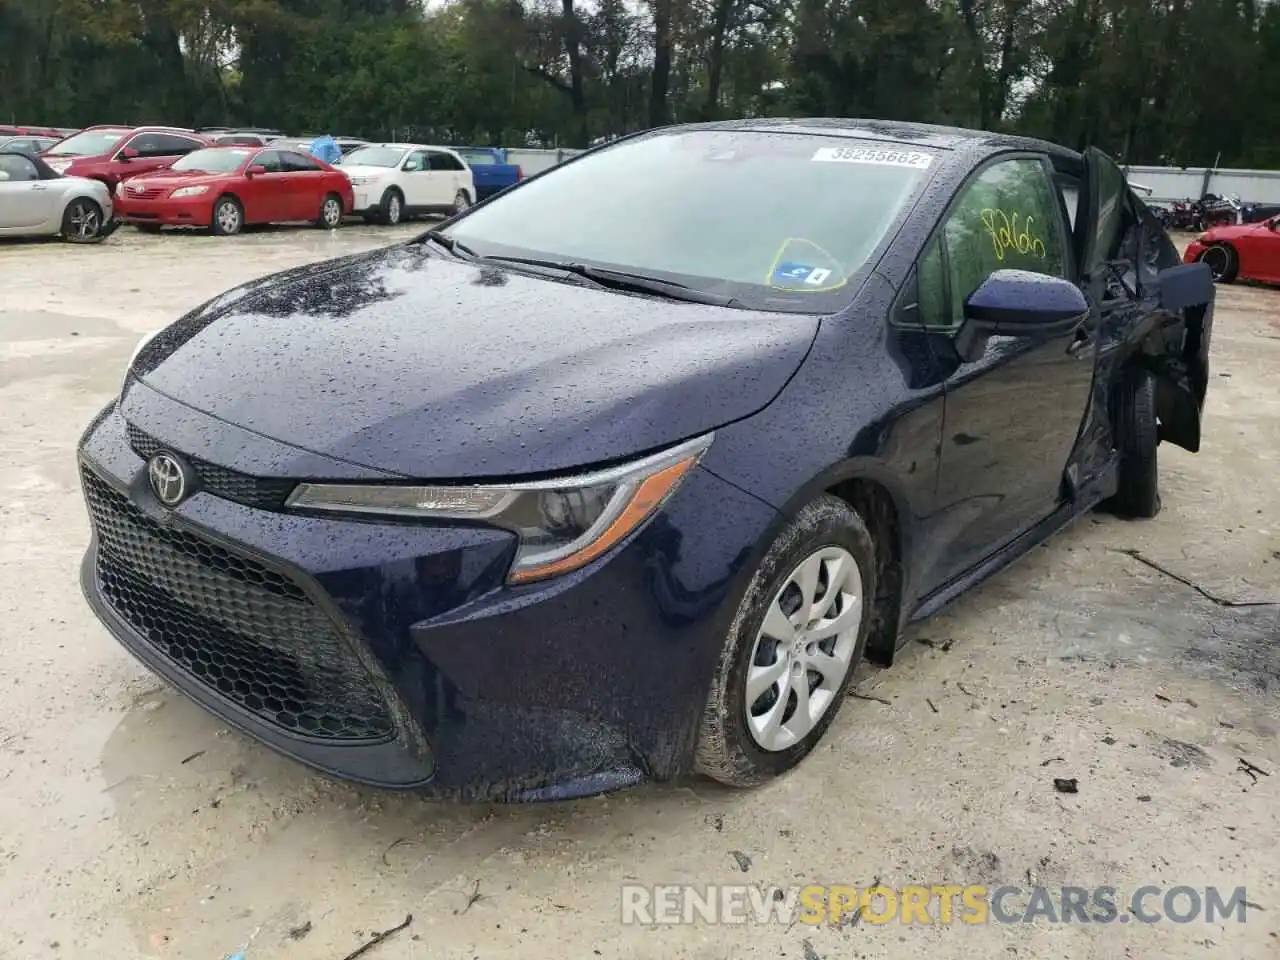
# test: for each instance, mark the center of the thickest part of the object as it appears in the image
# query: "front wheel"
(1137, 439)
(330, 212)
(82, 221)
(792, 648)
(228, 217)
(392, 207)
(1222, 261)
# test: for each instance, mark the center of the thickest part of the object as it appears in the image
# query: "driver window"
(14, 169)
(415, 161)
(1007, 218)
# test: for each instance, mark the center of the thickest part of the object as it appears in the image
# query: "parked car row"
(225, 179)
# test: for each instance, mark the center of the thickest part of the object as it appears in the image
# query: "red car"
(225, 188)
(1249, 251)
(112, 154)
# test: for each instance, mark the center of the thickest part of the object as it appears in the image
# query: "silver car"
(36, 201)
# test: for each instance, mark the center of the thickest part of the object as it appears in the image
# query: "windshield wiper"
(454, 246)
(622, 280)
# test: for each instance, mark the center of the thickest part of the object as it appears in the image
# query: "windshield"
(476, 158)
(776, 221)
(373, 157)
(91, 143)
(217, 160)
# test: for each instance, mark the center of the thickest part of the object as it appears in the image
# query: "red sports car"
(1249, 251)
(225, 188)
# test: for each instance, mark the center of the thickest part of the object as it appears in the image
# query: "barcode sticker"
(884, 158)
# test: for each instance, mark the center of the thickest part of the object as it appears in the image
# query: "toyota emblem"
(168, 479)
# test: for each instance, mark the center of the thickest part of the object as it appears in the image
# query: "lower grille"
(234, 625)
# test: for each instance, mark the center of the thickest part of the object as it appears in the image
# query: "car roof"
(923, 134)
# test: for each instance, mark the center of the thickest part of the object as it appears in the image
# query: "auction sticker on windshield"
(884, 158)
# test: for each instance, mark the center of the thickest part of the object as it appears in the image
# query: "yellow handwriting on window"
(1003, 229)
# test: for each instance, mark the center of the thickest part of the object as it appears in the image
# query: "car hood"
(407, 362)
(1232, 232)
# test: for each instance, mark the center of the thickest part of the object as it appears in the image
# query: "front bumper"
(367, 198)
(397, 656)
(192, 212)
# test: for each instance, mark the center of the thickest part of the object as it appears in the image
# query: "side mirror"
(256, 169)
(1019, 303)
(128, 153)
(410, 166)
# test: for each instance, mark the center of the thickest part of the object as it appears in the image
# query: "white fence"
(535, 161)
(1189, 183)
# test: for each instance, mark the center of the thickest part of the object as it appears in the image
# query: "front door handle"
(38, 186)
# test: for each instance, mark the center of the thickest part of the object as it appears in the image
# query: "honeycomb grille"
(232, 624)
(261, 492)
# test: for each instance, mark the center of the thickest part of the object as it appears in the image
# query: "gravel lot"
(133, 824)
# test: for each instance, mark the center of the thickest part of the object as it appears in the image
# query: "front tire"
(82, 221)
(330, 212)
(1223, 262)
(792, 648)
(1137, 440)
(391, 210)
(228, 217)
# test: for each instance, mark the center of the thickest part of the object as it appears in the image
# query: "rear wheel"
(792, 648)
(228, 217)
(82, 221)
(330, 212)
(1137, 439)
(461, 203)
(1222, 261)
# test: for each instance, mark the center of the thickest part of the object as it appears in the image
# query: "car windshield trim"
(823, 210)
(104, 141)
(236, 157)
(392, 154)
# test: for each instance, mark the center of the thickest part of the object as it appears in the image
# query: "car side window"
(163, 145)
(297, 163)
(1008, 217)
(16, 169)
(270, 160)
(443, 161)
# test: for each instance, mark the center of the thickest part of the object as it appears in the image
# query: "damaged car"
(568, 494)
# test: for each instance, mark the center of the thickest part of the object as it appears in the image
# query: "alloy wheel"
(1218, 261)
(228, 217)
(331, 212)
(804, 649)
(85, 221)
(393, 209)
(461, 202)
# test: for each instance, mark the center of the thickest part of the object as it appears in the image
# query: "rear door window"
(297, 163)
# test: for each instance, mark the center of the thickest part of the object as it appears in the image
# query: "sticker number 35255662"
(888, 158)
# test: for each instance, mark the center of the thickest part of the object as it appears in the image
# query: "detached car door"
(1012, 415)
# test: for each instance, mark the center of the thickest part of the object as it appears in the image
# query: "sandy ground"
(134, 825)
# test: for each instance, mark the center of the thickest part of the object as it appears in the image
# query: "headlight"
(563, 524)
(362, 181)
(188, 192)
(120, 189)
(59, 166)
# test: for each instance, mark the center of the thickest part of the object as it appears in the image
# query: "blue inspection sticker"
(799, 275)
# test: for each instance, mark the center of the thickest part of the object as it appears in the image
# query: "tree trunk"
(660, 81)
(715, 56)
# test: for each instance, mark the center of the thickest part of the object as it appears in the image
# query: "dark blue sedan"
(619, 475)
